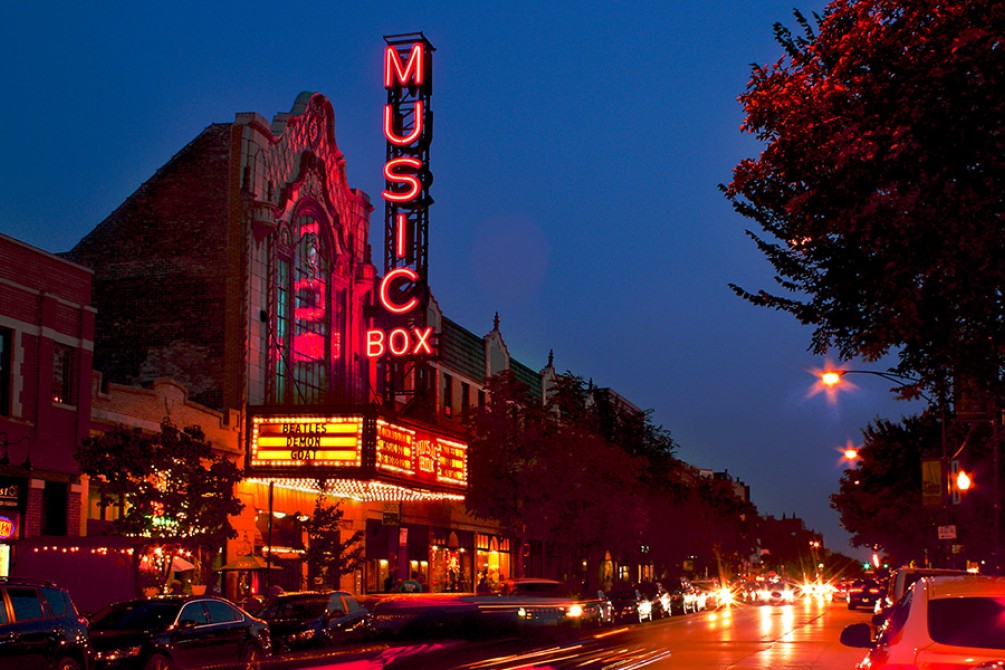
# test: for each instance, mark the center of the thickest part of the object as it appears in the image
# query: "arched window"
(303, 316)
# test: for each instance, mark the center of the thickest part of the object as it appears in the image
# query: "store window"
(6, 345)
(62, 375)
(465, 399)
(448, 395)
(303, 311)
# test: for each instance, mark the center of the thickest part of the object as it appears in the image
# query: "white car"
(945, 622)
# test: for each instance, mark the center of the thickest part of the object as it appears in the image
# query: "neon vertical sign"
(407, 126)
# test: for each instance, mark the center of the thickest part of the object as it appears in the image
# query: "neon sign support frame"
(408, 130)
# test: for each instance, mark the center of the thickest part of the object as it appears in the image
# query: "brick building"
(241, 270)
(46, 351)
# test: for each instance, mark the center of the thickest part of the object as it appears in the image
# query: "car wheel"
(251, 656)
(158, 662)
(68, 664)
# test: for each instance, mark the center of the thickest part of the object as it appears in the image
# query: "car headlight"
(305, 634)
(116, 654)
(574, 611)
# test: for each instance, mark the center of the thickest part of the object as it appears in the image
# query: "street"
(803, 636)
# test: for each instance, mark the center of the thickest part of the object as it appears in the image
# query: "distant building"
(46, 352)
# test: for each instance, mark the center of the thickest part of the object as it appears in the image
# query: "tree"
(879, 499)
(880, 191)
(546, 472)
(505, 440)
(169, 485)
(328, 555)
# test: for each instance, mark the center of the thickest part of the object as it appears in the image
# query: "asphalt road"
(803, 636)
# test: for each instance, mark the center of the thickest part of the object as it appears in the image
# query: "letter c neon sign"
(385, 288)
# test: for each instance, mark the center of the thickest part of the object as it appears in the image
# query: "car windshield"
(968, 622)
(542, 589)
(297, 608)
(143, 615)
(621, 595)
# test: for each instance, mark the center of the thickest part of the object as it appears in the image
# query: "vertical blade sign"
(407, 127)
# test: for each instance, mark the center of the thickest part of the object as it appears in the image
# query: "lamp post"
(831, 378)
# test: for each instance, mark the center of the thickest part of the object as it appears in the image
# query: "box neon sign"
(407, 129)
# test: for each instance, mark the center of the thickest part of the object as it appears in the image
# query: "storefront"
(378, 464)
(492, 558)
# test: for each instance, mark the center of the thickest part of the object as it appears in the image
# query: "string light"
(360, 490)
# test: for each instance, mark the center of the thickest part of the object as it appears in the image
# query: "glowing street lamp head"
(851, 453)
(829, 381)
(831, 377)
(963, 481)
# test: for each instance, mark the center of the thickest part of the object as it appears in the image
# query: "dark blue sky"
(577, 153)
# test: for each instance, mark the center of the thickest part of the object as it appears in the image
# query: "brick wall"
(160, 273)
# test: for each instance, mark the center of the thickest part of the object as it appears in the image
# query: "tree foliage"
(169, 484)
(583, 472)
(879, 499)
(328, 555)
(881, 190)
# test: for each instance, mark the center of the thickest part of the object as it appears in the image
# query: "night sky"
(576, 155)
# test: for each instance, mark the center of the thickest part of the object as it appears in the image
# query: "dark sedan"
(316, 619)
(864, 593)
(177, 632)
(630, 606)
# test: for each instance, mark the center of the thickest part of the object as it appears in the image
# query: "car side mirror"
(880, 619)
(857, 635)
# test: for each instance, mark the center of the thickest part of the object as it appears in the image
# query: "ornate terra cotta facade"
(307, 274)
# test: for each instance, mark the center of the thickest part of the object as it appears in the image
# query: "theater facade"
(243, 271)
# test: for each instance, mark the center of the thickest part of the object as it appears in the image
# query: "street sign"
(947, 532)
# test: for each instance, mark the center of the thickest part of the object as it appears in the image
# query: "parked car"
(307, 619)
(630, 606)
(658, 596)
(40, 627)
(176, 632)
(902, 578)
(598, 611)
(687, 600)
(949, 622)
(864, 593)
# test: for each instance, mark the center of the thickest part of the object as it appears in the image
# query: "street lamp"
(831, 380)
